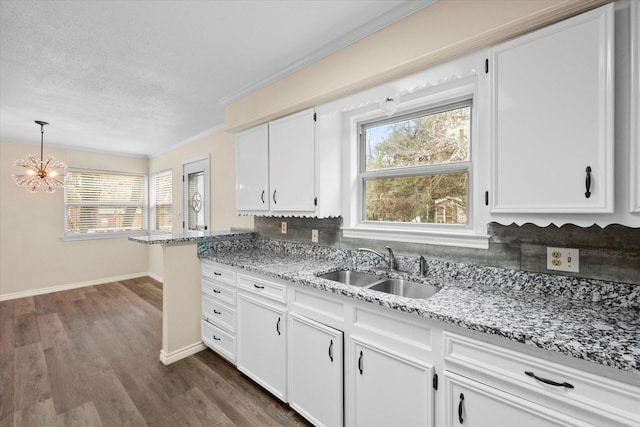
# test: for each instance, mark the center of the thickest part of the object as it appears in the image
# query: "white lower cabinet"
(262, 332)
(339, 361)
(473, 404)
(315, 371)
(487, 384)
(390, 389)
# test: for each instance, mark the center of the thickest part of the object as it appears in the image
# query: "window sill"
(99, 236)
(461, 238)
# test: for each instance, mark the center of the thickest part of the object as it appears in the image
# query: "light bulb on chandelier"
(40, 172)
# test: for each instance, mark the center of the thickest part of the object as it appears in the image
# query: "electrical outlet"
(563, 259)
(314, 236)
(283, 227)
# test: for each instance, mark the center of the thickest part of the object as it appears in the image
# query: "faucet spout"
(391, 262)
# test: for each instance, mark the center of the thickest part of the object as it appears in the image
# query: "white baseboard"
(154, 276)
(181, 353)
(51, 289)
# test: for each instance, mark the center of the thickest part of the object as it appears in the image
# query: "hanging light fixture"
(40, 173)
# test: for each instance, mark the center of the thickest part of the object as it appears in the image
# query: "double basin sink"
(401, 287)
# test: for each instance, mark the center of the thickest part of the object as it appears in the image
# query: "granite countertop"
(594, 320)
(161, 239)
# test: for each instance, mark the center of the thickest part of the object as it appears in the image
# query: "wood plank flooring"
(89, 357)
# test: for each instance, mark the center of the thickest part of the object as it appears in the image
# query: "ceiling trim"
(396, 14)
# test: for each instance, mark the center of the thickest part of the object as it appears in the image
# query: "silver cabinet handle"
(278, 326)
(331, 351)
(274, 198)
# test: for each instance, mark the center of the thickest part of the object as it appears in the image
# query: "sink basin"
(405, 288)
(353, 278)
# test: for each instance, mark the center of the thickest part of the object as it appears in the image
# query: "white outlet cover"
(563, 259)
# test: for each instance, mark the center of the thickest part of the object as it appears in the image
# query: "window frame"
(447, 93)
(413, 171)
(109, 234)
(153, 205)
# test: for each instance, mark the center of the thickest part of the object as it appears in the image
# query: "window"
(160, 202)
(104, 204)
(414, 169)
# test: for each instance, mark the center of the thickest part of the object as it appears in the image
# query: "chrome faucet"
(391, 262)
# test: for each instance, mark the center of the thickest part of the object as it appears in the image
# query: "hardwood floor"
(89, 357)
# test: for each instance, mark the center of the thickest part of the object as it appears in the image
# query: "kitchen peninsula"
(181, 289)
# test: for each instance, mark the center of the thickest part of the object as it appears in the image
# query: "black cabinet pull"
(587, 182)
(360, 363)
(547, 381)
(216, 312)
(216, 338)
(215, 291)
(460, 409)
(258, 286)
(278, 326)
(274, 198)
(262, 197)
(331, 351)
(215, 273)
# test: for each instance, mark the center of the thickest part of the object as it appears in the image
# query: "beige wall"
(32, 255)
(440, 32)
(220, 146)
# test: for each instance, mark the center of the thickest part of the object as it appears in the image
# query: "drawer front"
(408, 335)
(265, 288)
(217, 272)
(219, 314)
(218, 340)
(219, 291)
(611, 401)
(325, 308)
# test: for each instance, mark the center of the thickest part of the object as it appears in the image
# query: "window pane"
(437, 138)
(432, 199)
(161, 202)
(104, 202)
(196, 200)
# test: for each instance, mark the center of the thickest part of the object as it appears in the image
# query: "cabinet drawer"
(219, 291)
(470, 403)
(394, 330)
(266, 288)
(218, 340)
(219, 314)
(578, 392)
(214, 271)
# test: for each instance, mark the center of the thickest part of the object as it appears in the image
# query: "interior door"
(196, 197)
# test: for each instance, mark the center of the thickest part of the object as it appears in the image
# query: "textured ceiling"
(138, 77)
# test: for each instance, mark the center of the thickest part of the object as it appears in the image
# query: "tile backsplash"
(610, 253)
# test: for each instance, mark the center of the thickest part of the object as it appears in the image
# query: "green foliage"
(433, 139)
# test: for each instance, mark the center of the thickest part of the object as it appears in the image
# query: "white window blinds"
(104, 204)
(161, 201)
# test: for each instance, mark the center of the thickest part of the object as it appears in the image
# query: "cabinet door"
(261, 343)
(635, 107)
(292, 162)
(473, 404)
(552, 118)
(252, 169)
(315, 371)
(391, 390)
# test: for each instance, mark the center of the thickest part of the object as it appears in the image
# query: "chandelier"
(40, 173)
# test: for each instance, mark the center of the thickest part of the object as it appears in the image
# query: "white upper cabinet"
(635, 107)
(290, 167)
(292, 162)
(552, 118)
(252, 169)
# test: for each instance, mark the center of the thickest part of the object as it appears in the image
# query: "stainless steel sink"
(405, 288)
(353, 278)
